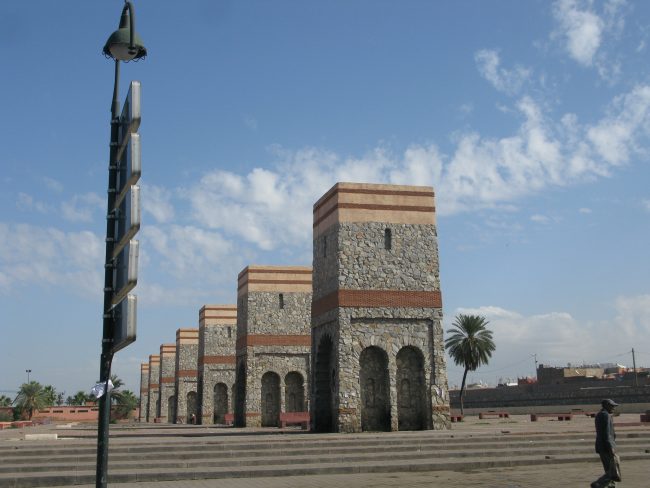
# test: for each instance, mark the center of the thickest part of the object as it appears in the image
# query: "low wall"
(536, 398)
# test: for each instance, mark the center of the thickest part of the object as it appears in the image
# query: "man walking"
(606, 444)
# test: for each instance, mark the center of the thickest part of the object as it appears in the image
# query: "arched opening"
(270, 400)
(240, 397)
(171, 410)
(324, 376)
(294, 392)
(191, 407)
(220, 403)
(411, 397)
(375, 392)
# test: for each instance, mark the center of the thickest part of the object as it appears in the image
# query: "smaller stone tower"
(187, 352)
(144, 391)
(216, 362)
(273, 343)
(154, 391)
(167, 382)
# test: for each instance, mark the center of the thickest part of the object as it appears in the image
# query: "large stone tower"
(187, 352)
(273, 343)
(167, 382)
(377, 342)
(216, 362)
(144, 391)
(154, 397)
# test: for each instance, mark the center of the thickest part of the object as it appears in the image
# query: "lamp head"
(118, 46)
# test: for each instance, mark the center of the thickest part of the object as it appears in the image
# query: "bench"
(301, 418)
(456, 418)
(229, 418)
(493, 413)
(560, 416)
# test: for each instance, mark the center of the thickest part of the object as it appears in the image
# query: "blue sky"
(530, 119)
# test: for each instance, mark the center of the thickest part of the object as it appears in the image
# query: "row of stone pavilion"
(353, 343)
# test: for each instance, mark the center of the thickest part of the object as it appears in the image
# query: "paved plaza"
(549, 474)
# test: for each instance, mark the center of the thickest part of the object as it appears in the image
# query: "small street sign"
(130, 118)
(129, 169)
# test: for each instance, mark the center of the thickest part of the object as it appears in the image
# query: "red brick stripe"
(376, 299)
(167, 379)
(273, 340)
(364, 191)
(153, 386)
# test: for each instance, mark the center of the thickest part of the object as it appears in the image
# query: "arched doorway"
(323, 385)
(220, 403)
(411, 406)
(270, 400)
(171, 411)
(191, 407)
(294, 392)
(375, 393)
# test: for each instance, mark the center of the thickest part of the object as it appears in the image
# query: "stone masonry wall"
(216, 360)
(273, 339)
(187, 351)
(376, 285)
(144, 392)
(154, 398)
(167, 381)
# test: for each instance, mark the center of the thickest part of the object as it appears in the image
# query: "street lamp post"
(123, 45)
(28, 371)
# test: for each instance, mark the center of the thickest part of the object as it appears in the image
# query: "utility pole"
(636, 380)
(535, 357)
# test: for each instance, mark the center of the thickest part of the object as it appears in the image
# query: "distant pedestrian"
(606, 446)
(193, 419)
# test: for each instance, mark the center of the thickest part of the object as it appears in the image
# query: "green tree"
(79, 398)
(470, 345)
(5, 401)
(60, 398)
(50, 395)
(116, 393)
(31, 396)
(128, 401)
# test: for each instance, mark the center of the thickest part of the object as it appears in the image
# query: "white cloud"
(557, 338)
(584, 210)
(82, 208)
(54, 185)
(585, 27)
(186, 252)
(48, 256)
(272, 207)
(156, 201)
(581, 27)
(507, 81)
(28, 203)
(540, 219)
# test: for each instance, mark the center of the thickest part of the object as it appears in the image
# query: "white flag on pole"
(98, 389)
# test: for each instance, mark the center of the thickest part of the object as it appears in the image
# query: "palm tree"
(116, 393)
(50, 395)
(5, 401)
(31, 396)
(127, 402)
(470, 345)
(79, 398)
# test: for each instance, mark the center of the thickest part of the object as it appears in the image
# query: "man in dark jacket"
(605, 442)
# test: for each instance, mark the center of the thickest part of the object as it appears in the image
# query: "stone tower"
(273, 343)
(167, 382)
(216, 362)
(187, 352)
(144, 391)
(154, 397)
(377, 342)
